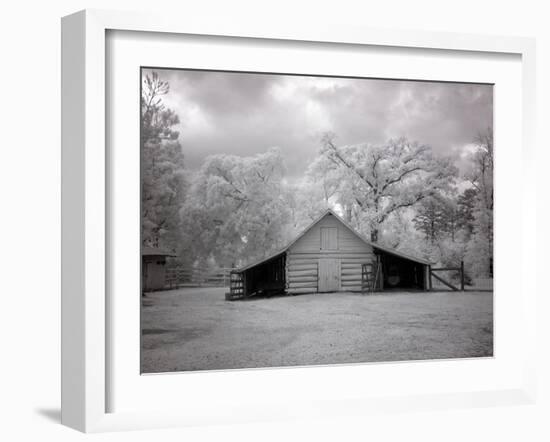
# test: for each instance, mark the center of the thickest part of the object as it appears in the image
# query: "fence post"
(462, 275)
(430, 278)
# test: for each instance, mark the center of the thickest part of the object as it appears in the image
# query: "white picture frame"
(86, 207)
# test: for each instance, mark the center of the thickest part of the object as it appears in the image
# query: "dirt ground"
(196, 329)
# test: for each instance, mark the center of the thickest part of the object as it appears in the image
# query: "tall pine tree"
(163, 183)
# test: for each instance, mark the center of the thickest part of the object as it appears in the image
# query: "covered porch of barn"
(264, 278)
(399, 272)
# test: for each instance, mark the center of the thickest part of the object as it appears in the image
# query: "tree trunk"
(374, 235)
(348, 214)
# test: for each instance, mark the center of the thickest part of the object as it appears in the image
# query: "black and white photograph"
(302, 220)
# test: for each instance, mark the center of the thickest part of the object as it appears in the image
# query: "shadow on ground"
(51, 414)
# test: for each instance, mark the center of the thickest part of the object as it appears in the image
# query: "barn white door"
(329, 275)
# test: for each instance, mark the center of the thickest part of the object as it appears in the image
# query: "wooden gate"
(370, 276)
(236, 287)
(460, 270)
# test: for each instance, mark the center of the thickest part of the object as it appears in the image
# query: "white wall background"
(30, 221)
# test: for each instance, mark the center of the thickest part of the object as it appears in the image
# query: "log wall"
(303, 258)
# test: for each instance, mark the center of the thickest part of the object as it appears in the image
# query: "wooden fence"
(177, 277)
(459, 274)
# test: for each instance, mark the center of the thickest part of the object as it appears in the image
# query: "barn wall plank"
(304, 266)
(312, 279)
(294, 285)
(348, 278)
(297, 291)
(354, 271)
(298, 273)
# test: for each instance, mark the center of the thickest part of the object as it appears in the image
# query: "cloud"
(243, 114)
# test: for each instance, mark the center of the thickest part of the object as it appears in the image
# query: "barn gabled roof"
(361, 237)
(378, 246)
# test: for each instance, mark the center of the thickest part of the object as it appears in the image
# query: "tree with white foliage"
(163, 182)
(237, 207)
(480, 247)
(481, 175)
(377, 181)
(327, 187)
(466, 202)
(307, 201)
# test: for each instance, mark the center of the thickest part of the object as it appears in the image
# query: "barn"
(329, 256)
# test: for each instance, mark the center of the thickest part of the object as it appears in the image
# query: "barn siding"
(303, 258)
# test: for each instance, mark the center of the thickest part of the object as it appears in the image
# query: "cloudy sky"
(244, 114)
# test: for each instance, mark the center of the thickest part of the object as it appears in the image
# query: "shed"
(329, 256)
(153, 268)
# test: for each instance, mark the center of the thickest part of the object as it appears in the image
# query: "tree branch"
(346, 163)
(401, 176)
